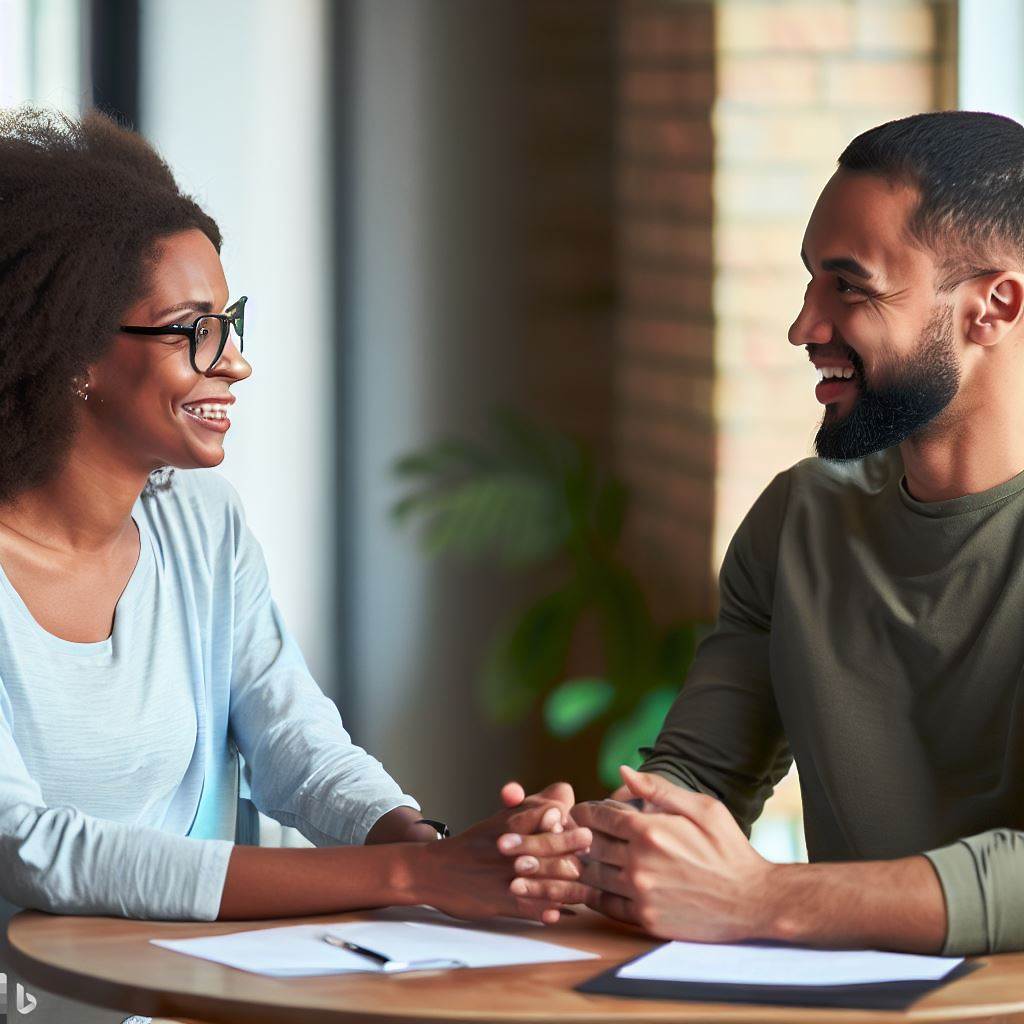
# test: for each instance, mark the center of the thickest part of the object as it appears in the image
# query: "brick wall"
(731, 115)
(665, 367)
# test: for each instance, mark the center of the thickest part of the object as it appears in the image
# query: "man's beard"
(915, 392)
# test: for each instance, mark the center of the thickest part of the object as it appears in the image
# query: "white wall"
(430, 335)
(245, 132)
(434, 328)
(990, 64)
(41, 54)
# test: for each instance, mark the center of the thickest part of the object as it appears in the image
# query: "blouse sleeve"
(306, 771)
(60, 860)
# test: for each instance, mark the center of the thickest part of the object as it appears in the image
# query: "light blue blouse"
(118, 762)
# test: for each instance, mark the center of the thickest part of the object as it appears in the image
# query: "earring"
(82, 390)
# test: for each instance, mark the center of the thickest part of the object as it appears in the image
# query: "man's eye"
(844, 287)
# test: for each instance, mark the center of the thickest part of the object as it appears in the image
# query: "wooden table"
(110, 962)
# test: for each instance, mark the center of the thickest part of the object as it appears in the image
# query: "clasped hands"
(681, 868)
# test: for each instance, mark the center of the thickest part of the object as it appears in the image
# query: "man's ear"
(994, 307)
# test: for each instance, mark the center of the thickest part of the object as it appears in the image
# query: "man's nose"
(811, 327)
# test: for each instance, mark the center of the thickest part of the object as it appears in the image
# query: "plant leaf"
(623, 739)
(530, 656)
(575, 704)
(530, 446)
(510, 514)
(444, 457)
(678, 646)
(610, 511)
(629, 634)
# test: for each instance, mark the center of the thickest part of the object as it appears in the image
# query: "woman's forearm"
(466, 876)
(263, 882)
(399, 826)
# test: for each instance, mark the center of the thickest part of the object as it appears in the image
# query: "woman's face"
(142, 390)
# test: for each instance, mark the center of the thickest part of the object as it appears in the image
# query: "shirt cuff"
(341, 829)
(377, 811)
(982, 878)
(212, 870)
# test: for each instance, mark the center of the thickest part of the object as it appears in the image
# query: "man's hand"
(469, 875)
(682, 871)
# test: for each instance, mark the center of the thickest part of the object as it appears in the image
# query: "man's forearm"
(890, 904)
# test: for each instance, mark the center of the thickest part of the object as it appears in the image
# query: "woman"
(139, 643)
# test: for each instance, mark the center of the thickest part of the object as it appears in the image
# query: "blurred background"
(584, 213)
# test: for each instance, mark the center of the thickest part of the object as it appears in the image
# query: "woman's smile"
(210, 413)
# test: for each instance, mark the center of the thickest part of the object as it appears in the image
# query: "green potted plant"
(524, 497)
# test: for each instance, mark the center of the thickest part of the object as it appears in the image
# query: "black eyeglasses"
(207, 337)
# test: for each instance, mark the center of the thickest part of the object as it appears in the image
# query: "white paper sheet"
(300, 949)
(767, 964)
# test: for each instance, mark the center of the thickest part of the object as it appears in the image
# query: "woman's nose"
(232, 363)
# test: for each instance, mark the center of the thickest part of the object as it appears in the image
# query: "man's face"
(870, 307)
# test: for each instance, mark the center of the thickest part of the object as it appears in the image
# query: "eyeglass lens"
(211, 338)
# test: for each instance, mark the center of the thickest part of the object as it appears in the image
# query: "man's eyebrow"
(197, 305)
(845, 263)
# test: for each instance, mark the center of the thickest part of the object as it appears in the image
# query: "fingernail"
(556, 828)
(510, 841)
(519, 886)
(524, 865)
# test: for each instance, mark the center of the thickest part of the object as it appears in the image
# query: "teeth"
(207, 412)
(828, 372)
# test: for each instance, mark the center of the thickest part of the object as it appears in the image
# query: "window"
(41, 54)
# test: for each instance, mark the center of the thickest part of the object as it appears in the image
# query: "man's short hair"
(968, 169)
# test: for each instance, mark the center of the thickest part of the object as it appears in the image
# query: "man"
(871, 621)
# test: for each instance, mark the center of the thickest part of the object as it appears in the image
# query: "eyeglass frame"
(233, 316)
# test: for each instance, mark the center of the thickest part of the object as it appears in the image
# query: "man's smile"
(835, 380)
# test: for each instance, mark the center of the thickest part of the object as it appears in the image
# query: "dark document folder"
(886, 995)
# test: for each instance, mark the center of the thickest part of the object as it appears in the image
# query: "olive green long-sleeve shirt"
(878, 641)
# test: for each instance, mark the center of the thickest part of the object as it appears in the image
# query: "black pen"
(354, 947)
(386, 963)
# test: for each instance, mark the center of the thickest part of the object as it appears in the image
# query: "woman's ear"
(994, 307)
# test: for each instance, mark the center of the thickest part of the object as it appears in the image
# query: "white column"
(991, 74)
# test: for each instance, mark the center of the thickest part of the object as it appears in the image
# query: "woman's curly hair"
(82, 205)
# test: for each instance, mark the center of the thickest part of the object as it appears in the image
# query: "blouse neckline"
(123, 609)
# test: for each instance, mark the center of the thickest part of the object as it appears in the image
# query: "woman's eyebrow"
(194, 304)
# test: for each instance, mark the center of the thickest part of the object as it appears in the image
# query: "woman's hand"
(531, 853)
(469, 876)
